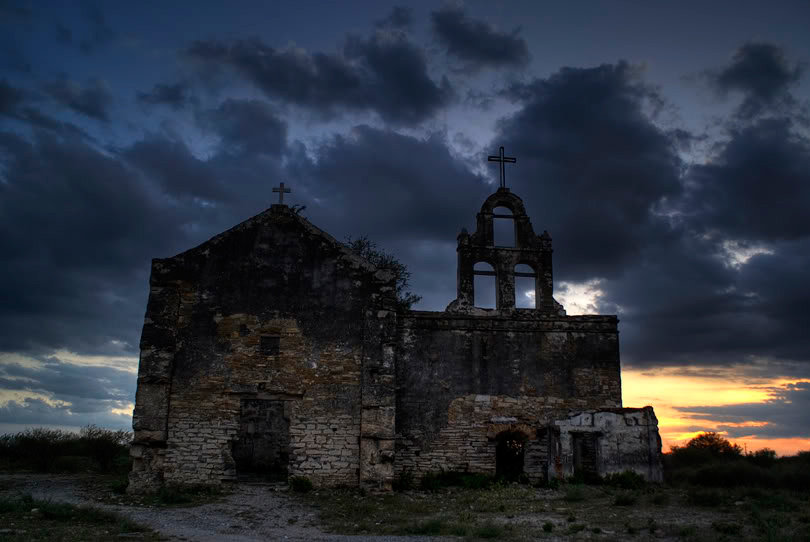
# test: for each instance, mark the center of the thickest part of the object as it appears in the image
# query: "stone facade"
(274, 350)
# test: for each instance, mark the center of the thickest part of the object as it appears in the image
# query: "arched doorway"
(509, 454)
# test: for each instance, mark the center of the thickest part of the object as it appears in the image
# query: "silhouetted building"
(273, 349)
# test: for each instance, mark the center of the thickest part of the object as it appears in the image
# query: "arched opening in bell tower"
(503, 227)
(484, 286)
(525, 287)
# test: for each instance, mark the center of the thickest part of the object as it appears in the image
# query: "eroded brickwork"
(272, 310)
(272, 349)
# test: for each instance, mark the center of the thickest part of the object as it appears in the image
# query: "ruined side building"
(274, 349)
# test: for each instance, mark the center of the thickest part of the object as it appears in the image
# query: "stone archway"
(510, 454)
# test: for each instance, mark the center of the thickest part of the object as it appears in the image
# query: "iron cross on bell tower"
(503, 160)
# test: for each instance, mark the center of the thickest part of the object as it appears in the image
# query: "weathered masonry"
(274, 350)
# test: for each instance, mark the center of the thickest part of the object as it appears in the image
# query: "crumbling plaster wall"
(627, 439)
(202, 351)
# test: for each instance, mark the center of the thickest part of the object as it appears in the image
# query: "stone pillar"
(149, 419)
(377, 422)
(506, 284)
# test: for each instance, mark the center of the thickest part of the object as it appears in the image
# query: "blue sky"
(664, 147)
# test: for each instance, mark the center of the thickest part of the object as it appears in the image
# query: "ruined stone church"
(273, 349)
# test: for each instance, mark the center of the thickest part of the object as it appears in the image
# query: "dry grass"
(24, 518)
(518, 512)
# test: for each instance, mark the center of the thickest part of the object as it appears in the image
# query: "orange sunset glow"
(668, 388)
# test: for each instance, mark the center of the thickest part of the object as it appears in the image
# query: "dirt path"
(249, 513)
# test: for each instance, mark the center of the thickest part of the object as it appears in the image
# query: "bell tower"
(529, 257)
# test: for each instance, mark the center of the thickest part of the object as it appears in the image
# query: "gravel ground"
(249, 513)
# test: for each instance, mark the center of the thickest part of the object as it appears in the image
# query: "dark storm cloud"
(81, 224)
(683, 304)
(785, 415)
(477, 42)
(688, 302)
(76, 244)
(10, 98)
(79, 384)
(91, 391)
(14, 103)
(10, 9)
(249, 126)
(97, 32)
(401, 186)
(92, 100)
(606, 182)
(175, 96)
(37, 412)
(400, 17)
(385, 73)
(177, 171)
(757, 187)
(409, 194)
(63, 34)
(762, 73)
(591, 166)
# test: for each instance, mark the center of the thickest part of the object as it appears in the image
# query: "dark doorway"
(262, 447)
(584, 445)
(509, 455)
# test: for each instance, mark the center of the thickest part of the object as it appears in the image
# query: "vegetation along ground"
(713, 491)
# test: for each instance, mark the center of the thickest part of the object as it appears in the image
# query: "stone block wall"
(463, 379)
(273, 309)
(469, 440)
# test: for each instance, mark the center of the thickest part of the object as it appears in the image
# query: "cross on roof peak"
(281, 191)
(503, 160)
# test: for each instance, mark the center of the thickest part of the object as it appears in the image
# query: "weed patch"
(574, 493)
(704, 497)
(626, 498)
(186, 495)
(34, 519)
(625, 480)
(301, 484)
(724, 527)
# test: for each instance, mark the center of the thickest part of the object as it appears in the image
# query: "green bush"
(105, 446)
(433, 481)
(626, 498)
(734, 474)
(724, 527)
(36, 449)
(54, 450)
(119, 485)
(574, 493)
(626, 480)
(301, 484)
(488, 530)
(703, 449)
(404, 481)
(548, 527)
(762, 458)
(704, 497)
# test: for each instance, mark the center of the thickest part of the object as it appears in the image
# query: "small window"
(484, 286)
(503, 225)
(525, 287)
(270, 345)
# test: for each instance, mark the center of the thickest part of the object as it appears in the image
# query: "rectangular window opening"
(270, 345)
